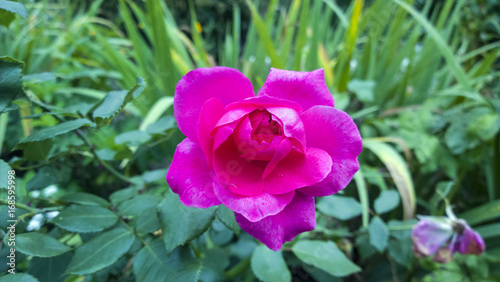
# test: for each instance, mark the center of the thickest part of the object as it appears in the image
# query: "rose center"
(265, 126)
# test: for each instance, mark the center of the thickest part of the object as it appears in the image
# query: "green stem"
(454, 189)
(237, 269)
(130, 229)
(21, 206)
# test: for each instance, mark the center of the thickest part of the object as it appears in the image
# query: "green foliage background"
(86, 89)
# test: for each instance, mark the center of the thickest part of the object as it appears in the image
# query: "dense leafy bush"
(86, 124)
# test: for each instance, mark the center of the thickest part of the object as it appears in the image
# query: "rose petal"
(297, 170)
(199, 85)
(305, 88)
(253, 208)
(265, 101)
(335, 132)
(280, 152)
(243, 176)
(429, 234)
(273, 231)
(249, 148)
(293, 126)
(210, 113)
(269, 230)
(190, 177)
(299, 216)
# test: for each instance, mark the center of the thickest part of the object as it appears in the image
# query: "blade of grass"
(265, 37)
(441, 44)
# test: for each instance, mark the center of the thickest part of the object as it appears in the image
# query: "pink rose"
(265, 157)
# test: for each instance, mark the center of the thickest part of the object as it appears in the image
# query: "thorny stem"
(32, 211)
(84, 138)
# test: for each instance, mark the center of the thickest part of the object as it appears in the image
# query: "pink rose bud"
(265, 157)
(443, 236)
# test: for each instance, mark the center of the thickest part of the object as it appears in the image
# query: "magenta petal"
(253, 208)
(190, 177)
(269, 230)
(297, 170)
(470, 242)
(299, 216)
(199, 85)
(293, 126)
(280, 152)
(265, 101)
(241, 175)
(273, 231)
(305, 88)
(210, 113)
(335, 132)
(429, 234)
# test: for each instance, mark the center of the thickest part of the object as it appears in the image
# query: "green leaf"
(100, 251)
(482, 213)
(387, 201)
(37, 151)
(154, 175)
(132, 138)
(14, 7)
(8, 11)
(340, 207)
(363, 89)
(122, 195)
(18, 277)
(50, 132)
(484, 127)
(214, 262)
(489, 230)
(46, 176)
(325, 256)
(269, 266)
(11, 81)
(50, 269)
(85, 218)
(227, 217)
(161, 126)
(152, 263)
(106, 154)
(39, 245)
(181, 223)
(158, 109)
(379, 234)
(4, 170)
(143, 208)
(399, 171)
(85, 199)
(401, 252)
(115, 101)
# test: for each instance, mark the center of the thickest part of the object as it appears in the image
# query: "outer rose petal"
(190, 177)
(273, 231)
(429, 234)
(199, 85)
(306, 88)
(253, 208)
(335, 132)
(210, 113)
